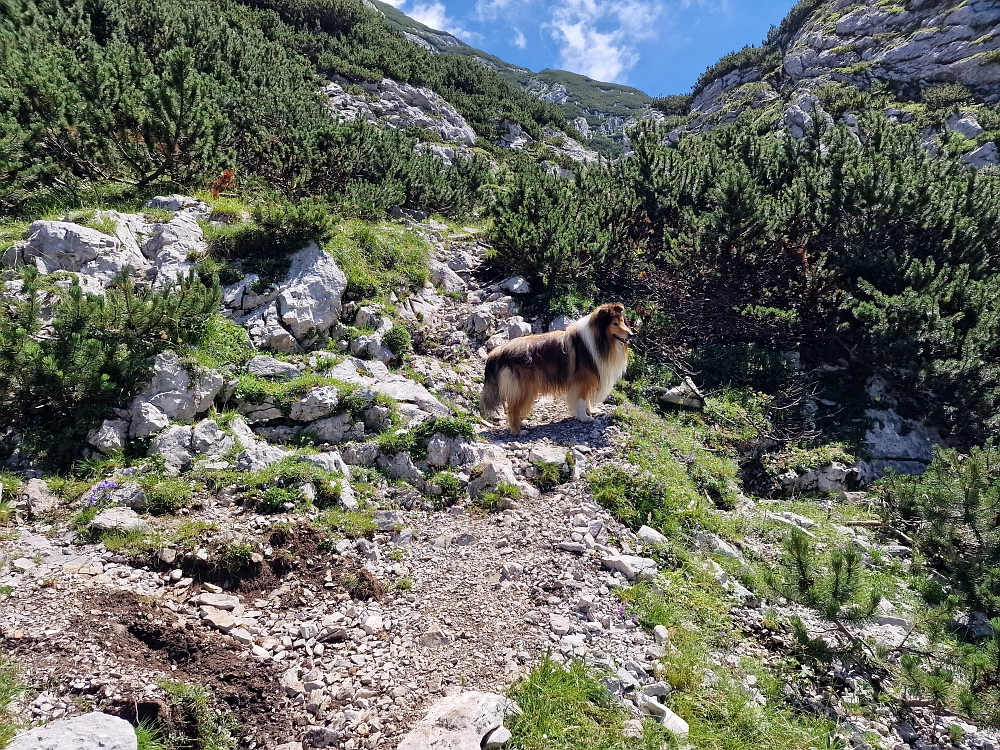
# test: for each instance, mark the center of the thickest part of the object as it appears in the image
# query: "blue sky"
(659, 46)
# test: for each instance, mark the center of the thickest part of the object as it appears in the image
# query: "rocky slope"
(898, 49)
(340, 623)
(601, 112)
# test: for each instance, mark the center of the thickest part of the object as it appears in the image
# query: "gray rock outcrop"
(400, 105)
(299, 310)
(93, 731)
(460, 722)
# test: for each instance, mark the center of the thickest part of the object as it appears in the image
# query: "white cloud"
(519, 41)
(597, 37)
(394, 3)
(488, 10)
(435, 15)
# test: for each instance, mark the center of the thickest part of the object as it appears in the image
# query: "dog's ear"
(604, 315)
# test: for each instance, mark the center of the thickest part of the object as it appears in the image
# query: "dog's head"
(611, 318)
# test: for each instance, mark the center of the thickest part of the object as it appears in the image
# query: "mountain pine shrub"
(952, 511)
(94, 353)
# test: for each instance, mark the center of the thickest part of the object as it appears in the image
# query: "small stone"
(220, 620)
(242, 636)
(661, 635)
(219, 601)
(559, 624)
(373, 624)
(497, 738)
(650, 535)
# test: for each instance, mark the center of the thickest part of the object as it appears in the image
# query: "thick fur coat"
(583, 363)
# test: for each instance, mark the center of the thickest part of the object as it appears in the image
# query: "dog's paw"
(585, 418)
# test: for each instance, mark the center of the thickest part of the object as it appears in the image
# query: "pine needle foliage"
(68, 357)
(868, 249)
(953, 511)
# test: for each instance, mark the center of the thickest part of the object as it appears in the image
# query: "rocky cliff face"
(909, 47)
(892, 56)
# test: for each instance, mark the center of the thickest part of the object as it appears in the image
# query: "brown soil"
(134, 640)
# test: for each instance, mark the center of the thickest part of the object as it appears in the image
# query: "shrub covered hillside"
(135, 94)
(860, 249)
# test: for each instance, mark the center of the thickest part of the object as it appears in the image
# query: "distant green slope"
(605, 106)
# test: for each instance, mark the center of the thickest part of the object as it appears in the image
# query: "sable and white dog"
(583, 362)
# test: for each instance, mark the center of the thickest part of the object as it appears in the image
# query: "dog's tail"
(491, 399)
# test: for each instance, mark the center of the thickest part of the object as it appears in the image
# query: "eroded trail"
(473, 597)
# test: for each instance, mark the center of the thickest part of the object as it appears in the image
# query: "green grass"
(490, 501)
(720, 713)
(131, 542)
(12, 232)
(165, 494)
(548, 475)
(205, 728)
(570, 709)
(379, 259)
(271, 488)
(10, 688)
(353, 524)
(683, 457)
(148, 737)
(224, 343)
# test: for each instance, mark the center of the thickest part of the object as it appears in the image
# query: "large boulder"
(460, 722)
(904, 445)
(295, 312)
(174, 445)
(175, 391)
(315, 404)
(36, 496)
(172, 246)
(93, 731)
(64, 246)
(309, 299)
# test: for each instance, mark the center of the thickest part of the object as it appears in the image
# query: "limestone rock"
(650, 535)
(93, 731)
(146, 419)
(560, 323)
(174, 444)
(315, 404)
(264, 366)
(178, 394)
(686, 394)
(309, 300)
(986, 155)
(38, 498)
(208, 439)
(518, 327)
(172, 247)
(516, 285)
(118, 519)
(632, 567)
(400, 105)
(260, 456)
(110, 436)
(447, 279)
(328, 461)
(64, 246)
(459, 722)
(178, 203)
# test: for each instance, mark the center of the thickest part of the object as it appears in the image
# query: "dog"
(583, 363)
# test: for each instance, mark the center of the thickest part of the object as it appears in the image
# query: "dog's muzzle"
(623, 340)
